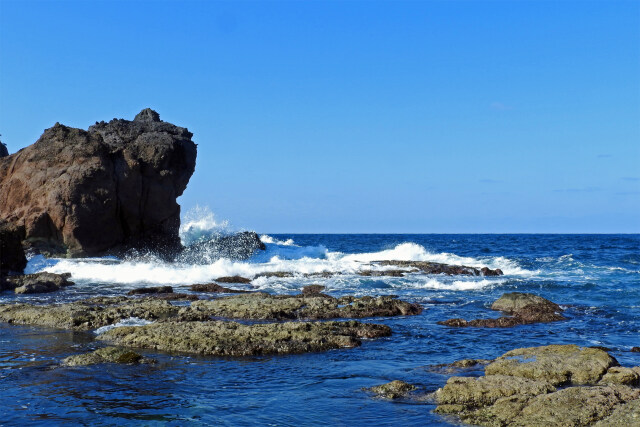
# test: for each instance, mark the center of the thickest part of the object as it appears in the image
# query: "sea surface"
(596, 278)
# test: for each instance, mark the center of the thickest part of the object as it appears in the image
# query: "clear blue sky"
(433, 116)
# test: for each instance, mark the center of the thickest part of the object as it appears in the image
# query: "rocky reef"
(221, 338)
(427, 267)
(551, 385)
(310, 306)
(520, 308)
(115, 185)
(36, 283)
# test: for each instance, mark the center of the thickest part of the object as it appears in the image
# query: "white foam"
(271, 240)
(458, 285)
(131, 321)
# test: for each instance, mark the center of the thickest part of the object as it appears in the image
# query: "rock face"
(113, 186)
(234, 339)
(37, 283)
(521, 308)
(564, 385)
(12, 257)
(3, 150)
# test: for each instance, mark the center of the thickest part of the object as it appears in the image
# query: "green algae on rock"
(519, 389)
(220, 338)
(521, 309)
(87, 314)
(555, 364)
(392, 390)
(106, 355)
(262, 306)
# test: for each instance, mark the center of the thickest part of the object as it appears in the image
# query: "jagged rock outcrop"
(38, 283)
(3, 150)
(113, 186)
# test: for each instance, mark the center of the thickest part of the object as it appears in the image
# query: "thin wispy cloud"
(627, 193)
(490, 181)
(630, 178)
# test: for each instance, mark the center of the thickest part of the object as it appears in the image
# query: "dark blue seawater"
(596, 277)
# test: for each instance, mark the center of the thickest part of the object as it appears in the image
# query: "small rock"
(39, 282)
(312, 289)
(106, 355)
(393, 390)
(635, 349)
(620, 375)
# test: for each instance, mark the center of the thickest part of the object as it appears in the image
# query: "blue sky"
(424, 117)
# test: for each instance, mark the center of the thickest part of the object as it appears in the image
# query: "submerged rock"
(12, 258)
(459, 365)
(427, 267)
(521, 308)
(239, 246)
(393, 390)
(115, 185)
(37, 283)
(382, 273)
(262, 306)
(520, 389)
(106, 355)
(221, 338)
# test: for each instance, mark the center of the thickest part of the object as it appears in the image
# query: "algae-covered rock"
(392, 390)
(620, 375)
(87, 314)
(470, 393)
(233, 279)
(521, 309)
(234, 339)
(459, 365)
(574, 406)
(151, 290)
(556, 364)
(261, 306)
(625, 415)
(105, 355)
(214, 288)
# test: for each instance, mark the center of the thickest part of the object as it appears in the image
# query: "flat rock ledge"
(427, 267)
(306, 306)
(559, 385)
(106, 355)
(519, 308)
(219, 338)
(94, 313)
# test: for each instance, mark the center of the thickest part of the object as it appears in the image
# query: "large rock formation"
(112, 187)
(12, 257)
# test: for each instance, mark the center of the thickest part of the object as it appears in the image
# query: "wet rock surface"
(262, 306)
(392, 390)
(427, 267)
(521, 309)
(239, 246)
(151, 290)
(233, 339)
(87, 314)
(106, 355)
(269, 274)
(233, 279)
(37, 283)
(215, 288)
(459, 365)
(563, 385)
(124, 175)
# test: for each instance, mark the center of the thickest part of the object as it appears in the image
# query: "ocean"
(595, 278)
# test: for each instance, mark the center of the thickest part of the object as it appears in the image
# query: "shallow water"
(597, 278)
